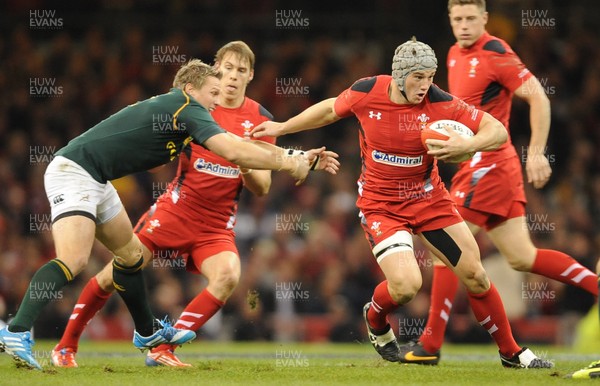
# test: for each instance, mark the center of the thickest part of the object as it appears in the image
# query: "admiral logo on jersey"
(396, 160)
(215, 169)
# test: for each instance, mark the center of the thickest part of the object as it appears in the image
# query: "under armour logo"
(375, 115)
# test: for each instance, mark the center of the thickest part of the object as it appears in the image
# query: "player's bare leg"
(403, 279)
(443, 291)
(513, 240)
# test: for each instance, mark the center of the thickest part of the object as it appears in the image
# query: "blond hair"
(195, 72)
(479, 3)
(239, 48)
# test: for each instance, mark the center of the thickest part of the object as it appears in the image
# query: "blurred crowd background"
(307, 268)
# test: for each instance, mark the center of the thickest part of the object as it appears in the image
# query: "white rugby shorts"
(71, 190)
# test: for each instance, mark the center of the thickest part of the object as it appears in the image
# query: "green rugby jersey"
(141, 136)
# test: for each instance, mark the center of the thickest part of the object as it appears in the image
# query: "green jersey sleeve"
(198, 123)
(141, 136)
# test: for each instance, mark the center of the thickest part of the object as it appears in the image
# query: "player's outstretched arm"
(318, 160)
(249, 155)
(317, 115)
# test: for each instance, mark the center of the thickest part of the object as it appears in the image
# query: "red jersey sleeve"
(509, 69)
(263, 116)
(466, 114)
(351, 96)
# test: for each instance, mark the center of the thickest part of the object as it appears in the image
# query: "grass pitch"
(216, 363)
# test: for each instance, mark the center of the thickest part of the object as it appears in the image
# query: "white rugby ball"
(437, 130)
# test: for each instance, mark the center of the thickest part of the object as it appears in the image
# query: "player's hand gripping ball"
(437, 130)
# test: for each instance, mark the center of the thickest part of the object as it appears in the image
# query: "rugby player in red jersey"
(401, 192)
(195, 216)
(85, 206)
(485, 72)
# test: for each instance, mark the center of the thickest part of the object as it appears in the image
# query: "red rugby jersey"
(486, 75)
(395, 165)
(207, 186)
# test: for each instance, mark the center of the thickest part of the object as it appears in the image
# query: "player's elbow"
(262, 184)
(497, 135)
(262, 191)
(541, 101)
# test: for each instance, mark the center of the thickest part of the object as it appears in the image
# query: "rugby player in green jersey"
(85, 206)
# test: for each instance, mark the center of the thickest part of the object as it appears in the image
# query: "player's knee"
(75, 264)
(519, 264)
(475, 279)
(130, 253)
(225, 280)
(521, 260)
(403, 289)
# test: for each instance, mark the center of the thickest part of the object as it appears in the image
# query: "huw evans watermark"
(291, 19)
(290, 358)
(537, 291)
(537, 18)
(539, 223)
(549, 89)
(164, 123)
(290, 291)
(168, 259)
(44, 87)
(45, 19)
(412, 327)
(44, 291)
(41, 154)
(534, 154)
(41, 222)
(166, 55)
(290, 87)
(290, 223)
(415, 190)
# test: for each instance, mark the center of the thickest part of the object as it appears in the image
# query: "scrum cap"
(409, 57)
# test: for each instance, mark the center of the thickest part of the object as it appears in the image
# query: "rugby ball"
(437, 130)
